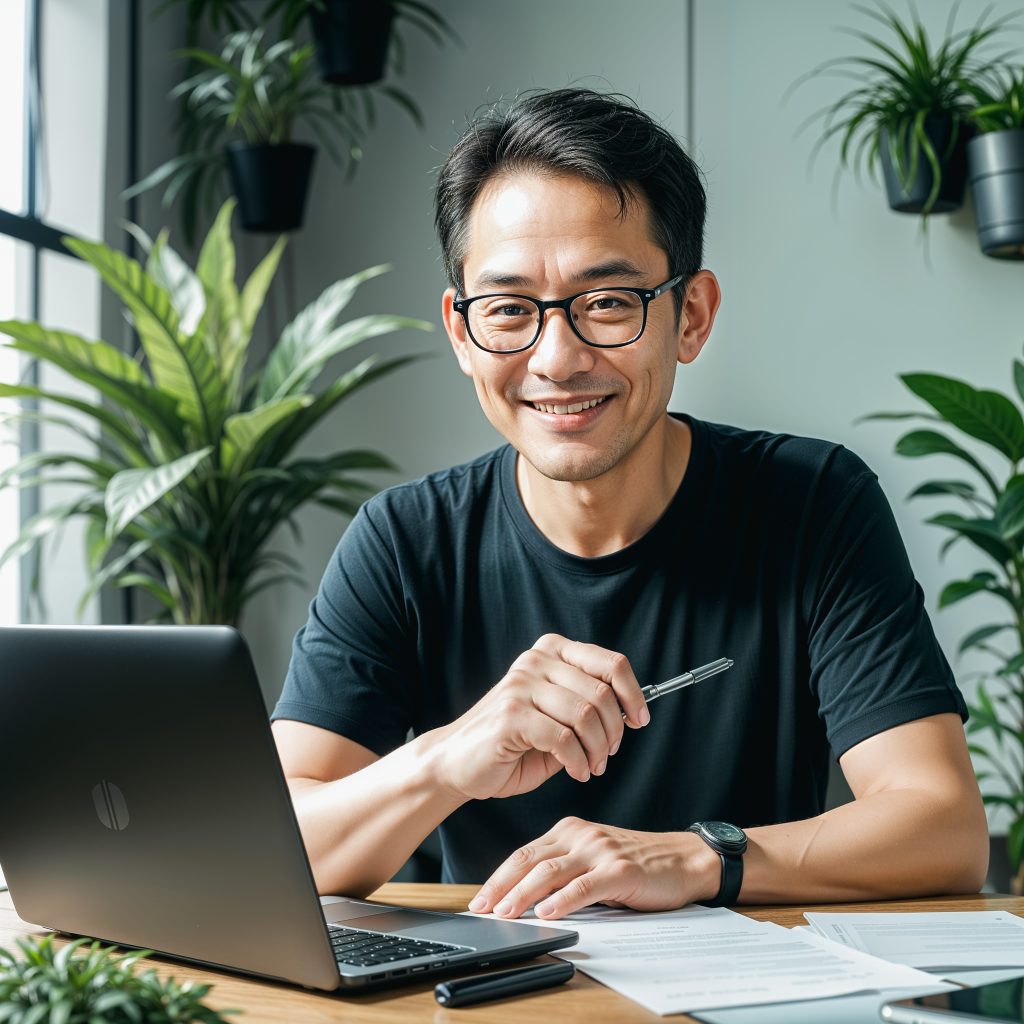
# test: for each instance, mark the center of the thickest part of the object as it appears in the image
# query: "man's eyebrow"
(597, 272)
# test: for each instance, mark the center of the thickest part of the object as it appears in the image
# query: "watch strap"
(732, 881)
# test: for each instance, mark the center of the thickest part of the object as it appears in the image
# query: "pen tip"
(729, 663)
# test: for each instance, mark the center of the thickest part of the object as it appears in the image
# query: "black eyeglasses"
(601, 317)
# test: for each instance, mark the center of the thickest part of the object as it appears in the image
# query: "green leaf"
(988, 416)
(1015, 664)
(112, 569)
(305, 334)
(221, 328)
(959, 589)
(255, 290)
(180, 364)
(175, 276)
(1010, 509)
(980, 635)
(930, 442)
(983, 533)
(43, 524)
(1015, 843)
(132, 491)
(62, 347)
(246, 430)
(1018, 376)
(955, 488)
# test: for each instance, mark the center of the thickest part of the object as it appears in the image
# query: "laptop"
(144, 804)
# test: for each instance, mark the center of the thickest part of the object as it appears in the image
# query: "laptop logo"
(111, 807)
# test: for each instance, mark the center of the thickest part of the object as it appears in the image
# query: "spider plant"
(909, 108)
(999, 101)
(195, 463)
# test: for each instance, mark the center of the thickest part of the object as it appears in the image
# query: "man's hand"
(578, 863)
(559, 706)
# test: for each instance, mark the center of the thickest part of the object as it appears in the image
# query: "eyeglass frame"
(646, 296)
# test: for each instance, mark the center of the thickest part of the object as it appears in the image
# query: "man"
(508, 610)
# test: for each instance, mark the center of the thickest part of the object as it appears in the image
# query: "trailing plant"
(999, 101)
(260, 95)
(988, 514)
(195, 462)
(902, 82)
(93, 984)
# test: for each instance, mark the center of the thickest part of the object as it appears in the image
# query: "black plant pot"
(912, 198)
(271, 183)
(352, 38)
(996, 165)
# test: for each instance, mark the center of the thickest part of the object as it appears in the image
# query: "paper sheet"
(700, 958)
(937, 940)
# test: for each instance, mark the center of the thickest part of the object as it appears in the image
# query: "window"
(53, 77)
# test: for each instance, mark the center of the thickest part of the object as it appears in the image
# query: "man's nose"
(558, 353)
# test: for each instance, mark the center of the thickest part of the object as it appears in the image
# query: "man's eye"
(506, 310)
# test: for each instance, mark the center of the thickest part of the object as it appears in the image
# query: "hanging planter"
(271, 183)
(911, 182)
(996, 165)
(352, 39)
(909, 110)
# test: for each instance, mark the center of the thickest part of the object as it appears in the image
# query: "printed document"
(936, 940)
(701, 958)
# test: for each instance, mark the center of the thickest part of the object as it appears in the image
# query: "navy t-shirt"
(779, 552)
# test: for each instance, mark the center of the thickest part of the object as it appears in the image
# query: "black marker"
(479, 989)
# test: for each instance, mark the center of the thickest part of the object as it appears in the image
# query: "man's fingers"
(602, 884)
(608, 666)
(543, 733)
(568, 704)
(508, 891)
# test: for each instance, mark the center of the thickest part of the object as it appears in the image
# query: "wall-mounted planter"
(912, 197)
(271, 183)
(996, 166)
(352, 38)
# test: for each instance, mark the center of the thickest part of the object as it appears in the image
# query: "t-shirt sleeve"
(350, 670)
(874, 659)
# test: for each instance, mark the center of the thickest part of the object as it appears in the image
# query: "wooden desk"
(581, 999)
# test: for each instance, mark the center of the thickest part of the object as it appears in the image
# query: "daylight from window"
(12, 79)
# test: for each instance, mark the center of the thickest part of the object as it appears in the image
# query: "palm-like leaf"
(191, 475)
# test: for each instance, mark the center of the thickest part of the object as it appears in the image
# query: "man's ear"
(703, 297)
(455, 325)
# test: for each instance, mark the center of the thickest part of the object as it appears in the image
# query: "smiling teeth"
(561, 410)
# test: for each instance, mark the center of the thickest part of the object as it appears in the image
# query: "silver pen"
(695, 675)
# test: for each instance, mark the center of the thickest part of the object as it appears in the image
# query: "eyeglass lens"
(504, 323)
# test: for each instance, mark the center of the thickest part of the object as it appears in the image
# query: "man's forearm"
(893, 843)
(361, 829)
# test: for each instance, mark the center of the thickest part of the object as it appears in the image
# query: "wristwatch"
(730, 843)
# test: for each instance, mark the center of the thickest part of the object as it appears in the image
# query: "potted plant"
(195, 464)
(94, 983)
(989, 515)
(908, 111)
(353, 38)
(995, 162)
(243, 108)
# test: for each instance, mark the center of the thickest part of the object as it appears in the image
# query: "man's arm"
(917, 827)
(559, 706)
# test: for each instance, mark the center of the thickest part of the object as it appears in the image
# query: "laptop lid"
(145, 805)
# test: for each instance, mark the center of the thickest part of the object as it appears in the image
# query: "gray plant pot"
(995, 163)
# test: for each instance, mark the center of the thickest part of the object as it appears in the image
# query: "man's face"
(549, 237)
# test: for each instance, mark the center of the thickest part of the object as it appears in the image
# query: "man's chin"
(570, 467)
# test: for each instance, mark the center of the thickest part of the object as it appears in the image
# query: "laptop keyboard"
(356, 948)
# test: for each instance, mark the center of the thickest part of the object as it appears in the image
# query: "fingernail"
(477, 903)
(503, 907)
(601, 767)
(543, 908)
(645, 716)
(615, 747)
(586, 775)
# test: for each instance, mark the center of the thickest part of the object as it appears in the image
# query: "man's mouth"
(575, 407)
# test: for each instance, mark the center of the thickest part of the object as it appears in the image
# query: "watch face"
(726, 834)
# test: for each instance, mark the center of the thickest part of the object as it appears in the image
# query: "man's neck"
(598, 517)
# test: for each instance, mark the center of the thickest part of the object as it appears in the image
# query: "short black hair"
(604, 138)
